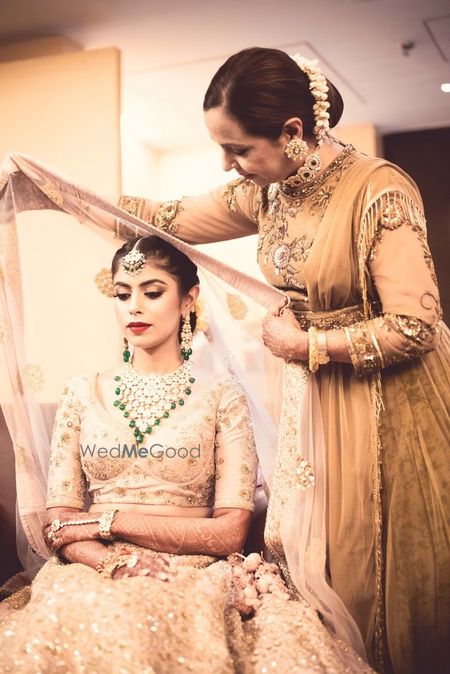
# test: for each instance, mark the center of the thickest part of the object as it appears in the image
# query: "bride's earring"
(186, 337)
(126, 353)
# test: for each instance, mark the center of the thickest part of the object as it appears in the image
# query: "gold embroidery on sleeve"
(363, 347)
(165, 216)
(229, 193)
(418, 336)
(132, 205)
(391, 211)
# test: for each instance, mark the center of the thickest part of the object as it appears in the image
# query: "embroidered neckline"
(310, 187)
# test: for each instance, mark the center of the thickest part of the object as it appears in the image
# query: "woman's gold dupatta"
(336, 277)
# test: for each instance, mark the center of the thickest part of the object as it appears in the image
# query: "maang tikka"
(134, 261)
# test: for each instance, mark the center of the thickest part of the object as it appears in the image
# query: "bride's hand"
(148, 564)
(71, 533)
(283, 335)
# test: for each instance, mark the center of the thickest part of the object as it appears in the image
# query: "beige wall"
(64, 109)
(364, 137)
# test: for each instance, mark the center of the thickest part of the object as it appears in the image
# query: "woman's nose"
(227, 161)
(135, 304)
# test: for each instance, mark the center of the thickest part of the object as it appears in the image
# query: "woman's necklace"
(147, 399)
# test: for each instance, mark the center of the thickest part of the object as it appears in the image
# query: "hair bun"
(336, 104)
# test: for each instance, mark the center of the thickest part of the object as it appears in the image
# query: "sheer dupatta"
(234, 306)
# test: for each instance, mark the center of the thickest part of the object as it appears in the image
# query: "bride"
(150, 496)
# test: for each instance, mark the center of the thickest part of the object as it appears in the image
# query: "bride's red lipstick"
(137, 327)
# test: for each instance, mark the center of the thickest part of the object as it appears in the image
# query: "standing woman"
(344, 236)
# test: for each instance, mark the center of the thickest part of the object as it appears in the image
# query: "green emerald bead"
(186, 356)
(190, 352)
(126, 354)
(173, 405)
(117, 391)
(191, 380)
(126, 414)
(136, 432)
(116, 403)
(166, 414)
(156, 422)
(140, 438)
(181, 401)
(188, 391)
(132, 423)
(149, 429)
(117, 378)
(122, 406)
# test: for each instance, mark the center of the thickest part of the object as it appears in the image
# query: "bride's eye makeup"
(154, 294)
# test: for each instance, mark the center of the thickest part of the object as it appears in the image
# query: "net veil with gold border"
(55, 237)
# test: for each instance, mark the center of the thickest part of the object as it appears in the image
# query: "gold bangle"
(323, 356)
(104, 524)
(313, 350)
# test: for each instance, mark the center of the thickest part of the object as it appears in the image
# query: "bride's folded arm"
(220, 535)
(82, 550)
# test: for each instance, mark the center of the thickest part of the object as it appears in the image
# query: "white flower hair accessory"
(319, 89)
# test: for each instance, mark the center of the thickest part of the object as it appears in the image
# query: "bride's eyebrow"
(141, 285)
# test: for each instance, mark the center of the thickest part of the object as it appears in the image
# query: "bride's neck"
(159, 360)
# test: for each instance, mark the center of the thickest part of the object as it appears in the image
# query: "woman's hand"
(149, 563)
(283, 335)
(72, 533)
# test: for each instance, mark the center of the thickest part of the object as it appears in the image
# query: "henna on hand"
(284, 337)
(218, 536)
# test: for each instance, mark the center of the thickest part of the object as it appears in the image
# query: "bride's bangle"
(104, 524)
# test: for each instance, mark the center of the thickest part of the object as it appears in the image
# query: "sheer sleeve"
(402, 272)
(66, 480)
(228, 212)
(236, 458)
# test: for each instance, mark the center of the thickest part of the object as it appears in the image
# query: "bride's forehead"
(150, 272)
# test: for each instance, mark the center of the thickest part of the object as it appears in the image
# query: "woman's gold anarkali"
(350, 249)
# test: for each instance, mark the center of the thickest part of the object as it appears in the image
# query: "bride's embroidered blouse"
(202, 455)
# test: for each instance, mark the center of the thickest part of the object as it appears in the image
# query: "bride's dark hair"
(166, 257)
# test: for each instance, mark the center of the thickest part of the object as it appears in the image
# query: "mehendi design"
(218, 536)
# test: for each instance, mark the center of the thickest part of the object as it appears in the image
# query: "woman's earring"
(126, 353)
(296, 149)
(186, 337)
